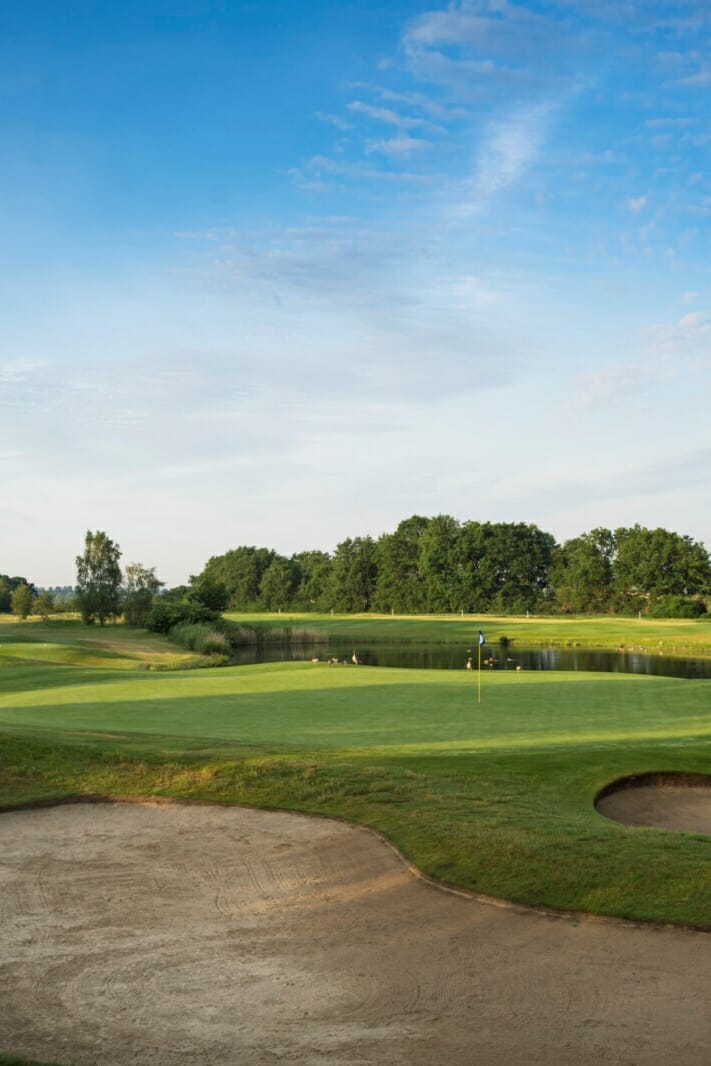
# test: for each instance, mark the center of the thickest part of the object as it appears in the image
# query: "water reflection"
(494, 657)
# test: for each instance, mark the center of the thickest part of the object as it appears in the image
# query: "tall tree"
(141, 585)
(354, 575)
(240, 571)
(503, 566)
(44, 604)
(277, 584)
(401, 583)
(438, 564)
(581, 572)
(652, 563)
(22, 601)
(209, 592)
(99, 579)
(313, 574)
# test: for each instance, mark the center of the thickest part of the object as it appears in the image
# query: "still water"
(453, 657)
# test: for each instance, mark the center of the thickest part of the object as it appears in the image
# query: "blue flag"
(481, 638)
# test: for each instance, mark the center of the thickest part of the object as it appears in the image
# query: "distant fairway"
(673, 636)
(496, 798)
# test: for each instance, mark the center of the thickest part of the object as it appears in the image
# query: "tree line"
(440, 565)
(432, 565)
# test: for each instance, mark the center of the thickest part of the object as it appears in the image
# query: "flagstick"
(478, 674)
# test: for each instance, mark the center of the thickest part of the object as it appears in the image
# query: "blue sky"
(279, 274)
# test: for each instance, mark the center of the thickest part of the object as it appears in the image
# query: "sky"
(281, 274)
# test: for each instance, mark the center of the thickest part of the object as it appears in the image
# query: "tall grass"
(269, 633)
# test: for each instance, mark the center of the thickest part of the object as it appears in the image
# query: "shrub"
(677, 607)
(165, 614)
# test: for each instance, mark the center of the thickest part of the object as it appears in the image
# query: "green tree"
(140, 587)
(581, 572)
(44, 604)
(240, 571)
(208, 591)
(313, 574)
(653, 563)
(99, 579)
(401, 583)
(277, 584)
(354, 575)
(7, 587)
(22, 601)
(502, 566)
(438, 564)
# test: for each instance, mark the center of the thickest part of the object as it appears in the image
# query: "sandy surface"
(685, 808)
(188, 936)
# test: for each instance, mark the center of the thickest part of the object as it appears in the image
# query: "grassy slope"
(496, 797)
(65, 641)
(677, 637)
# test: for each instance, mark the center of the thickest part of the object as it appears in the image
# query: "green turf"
(496, 797)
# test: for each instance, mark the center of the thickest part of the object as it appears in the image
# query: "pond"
(454, 657)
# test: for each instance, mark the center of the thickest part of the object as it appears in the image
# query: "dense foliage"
(439, 565)
(7, 586)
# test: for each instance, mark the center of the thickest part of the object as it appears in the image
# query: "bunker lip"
(671, 800)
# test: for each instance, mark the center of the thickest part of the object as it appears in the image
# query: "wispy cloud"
(390, 117)
(701, 78)
(321, 168)
(637, 204)
(334, 120)
(509, 148)
(668, 352)
(480, 47)
(398, 146)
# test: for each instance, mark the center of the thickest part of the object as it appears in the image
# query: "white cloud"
(397, 146)
(637, 204)
(702, 79)
(668, 122)
(322, 168)
(390, 117)
(668, 352)
(510, 147)
(334, 120)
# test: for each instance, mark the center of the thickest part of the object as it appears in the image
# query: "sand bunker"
(680, 802)
(186, 936)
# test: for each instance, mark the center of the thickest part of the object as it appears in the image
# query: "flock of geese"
(333, 661)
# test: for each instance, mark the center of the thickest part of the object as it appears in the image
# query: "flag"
(481, 638)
